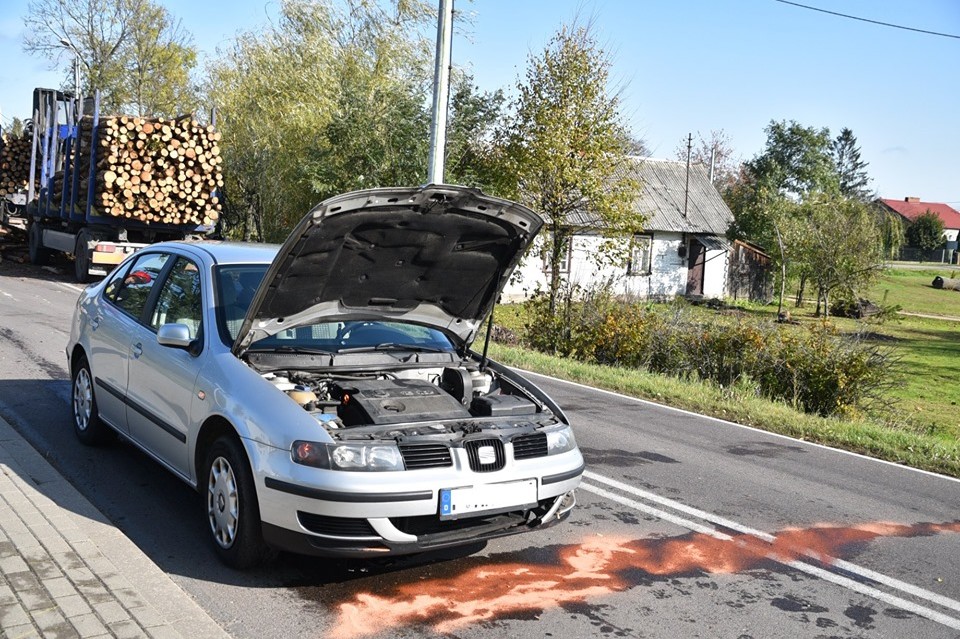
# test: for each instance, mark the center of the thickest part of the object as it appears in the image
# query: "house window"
(565, 262)
(640, 255)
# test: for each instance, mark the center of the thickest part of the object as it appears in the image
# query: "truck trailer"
(66, 214)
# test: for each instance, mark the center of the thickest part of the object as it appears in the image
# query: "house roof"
(912, 208)
(661, 200)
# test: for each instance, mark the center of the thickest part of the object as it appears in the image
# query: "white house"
(682, 251)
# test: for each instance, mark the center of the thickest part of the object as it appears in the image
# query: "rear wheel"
(233, 513)
(81, 261)
(87, 424)
(38, 254)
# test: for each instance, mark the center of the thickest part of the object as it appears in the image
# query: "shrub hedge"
(814, 368)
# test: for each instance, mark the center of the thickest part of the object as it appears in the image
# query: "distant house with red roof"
(910, 208)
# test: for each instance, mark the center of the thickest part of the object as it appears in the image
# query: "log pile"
(153, 170)
(14, 164)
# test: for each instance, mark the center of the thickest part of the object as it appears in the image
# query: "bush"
(814, 369)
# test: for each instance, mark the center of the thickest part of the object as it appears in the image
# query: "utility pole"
(686, 191)
(76, 66)
(713, 160)
(441, 92)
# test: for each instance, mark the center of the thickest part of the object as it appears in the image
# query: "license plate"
(487, 498)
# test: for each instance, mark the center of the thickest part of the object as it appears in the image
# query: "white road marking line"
(656, 512)
(8, 295)
(815, 571)
(743, 426)
(891, 582)
(72, 287)
(863, 589)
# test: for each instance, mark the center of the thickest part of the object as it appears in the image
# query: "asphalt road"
(687, 526)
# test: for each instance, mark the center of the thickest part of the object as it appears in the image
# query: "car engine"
(407, 396)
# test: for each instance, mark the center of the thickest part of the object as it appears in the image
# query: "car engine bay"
(411, 402)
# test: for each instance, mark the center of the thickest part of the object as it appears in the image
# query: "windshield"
(237, 284)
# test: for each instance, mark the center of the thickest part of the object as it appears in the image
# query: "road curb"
(65, 570)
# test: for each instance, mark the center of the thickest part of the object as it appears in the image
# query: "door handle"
(137, 350)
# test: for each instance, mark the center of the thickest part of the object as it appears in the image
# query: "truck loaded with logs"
(100, 187)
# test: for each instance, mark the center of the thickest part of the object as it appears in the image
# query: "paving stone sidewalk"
(66, 571)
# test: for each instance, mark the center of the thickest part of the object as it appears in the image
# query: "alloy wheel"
(223, 504)
(82, 399)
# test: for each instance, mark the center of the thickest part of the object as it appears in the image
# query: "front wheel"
(231, 504)
(87, 424)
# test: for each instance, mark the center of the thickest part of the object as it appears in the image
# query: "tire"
(89, 428)
(81, 258)
(231, 508)
(38, 254)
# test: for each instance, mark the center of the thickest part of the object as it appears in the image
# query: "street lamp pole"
(441, 92)
(76, 65)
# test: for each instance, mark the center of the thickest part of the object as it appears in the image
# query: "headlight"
(355, 457)
(560, 441)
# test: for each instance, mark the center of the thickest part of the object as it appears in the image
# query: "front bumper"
(353, 514)
(432, 534)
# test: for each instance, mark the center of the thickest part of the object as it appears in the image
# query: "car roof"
(233, 252)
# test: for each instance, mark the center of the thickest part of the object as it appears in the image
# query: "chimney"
(911, 199)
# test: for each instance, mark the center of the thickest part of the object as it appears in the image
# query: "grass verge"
(914, 293)
(919, 450)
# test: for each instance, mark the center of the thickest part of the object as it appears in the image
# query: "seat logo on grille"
(487, 455)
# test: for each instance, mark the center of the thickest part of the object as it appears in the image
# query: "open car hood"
(433, 255)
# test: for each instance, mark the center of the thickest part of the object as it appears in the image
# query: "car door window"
(134, 290)
(114, 283)
(179, 301)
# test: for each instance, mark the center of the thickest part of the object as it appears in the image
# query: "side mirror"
(175, 335)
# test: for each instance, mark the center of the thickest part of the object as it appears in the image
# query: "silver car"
(323, 395)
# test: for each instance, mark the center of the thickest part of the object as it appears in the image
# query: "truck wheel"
(87, 424)
(81, 261)
(38, 254)
(232, 510)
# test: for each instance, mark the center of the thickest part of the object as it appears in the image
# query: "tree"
(328, 99)
(926, 232)
(635, 145)
(851, 170)
(159, 60)
(834, 262)
(797, 160)
(715, 150)
(274, 90)
(17, 128)
(379, 135)
(891, 233)
(130, 50)
(564, 146)
(796, 163)
(474, 117)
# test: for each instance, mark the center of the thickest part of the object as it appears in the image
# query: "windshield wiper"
(394, 346)
(305, 350)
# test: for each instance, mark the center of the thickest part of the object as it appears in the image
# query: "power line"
(885, 24)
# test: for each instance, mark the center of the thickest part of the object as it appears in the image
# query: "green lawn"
(913, 292)
(929, 392)
(926, 395)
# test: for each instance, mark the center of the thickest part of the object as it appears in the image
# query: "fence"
(943, 256)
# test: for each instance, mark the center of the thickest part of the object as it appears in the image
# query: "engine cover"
(395, 401)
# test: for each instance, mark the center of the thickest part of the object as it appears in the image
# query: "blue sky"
(688, 66)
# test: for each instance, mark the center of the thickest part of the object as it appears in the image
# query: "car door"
(162, 379)
(113, 319)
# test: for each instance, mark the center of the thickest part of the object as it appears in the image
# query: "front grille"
(530, 445)
(428, 455)
(336, 526)
(480, 448)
